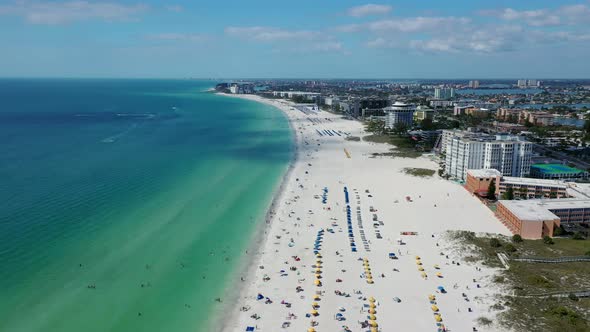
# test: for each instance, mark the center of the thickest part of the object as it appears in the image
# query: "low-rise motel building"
(539, 206)
(479, 180)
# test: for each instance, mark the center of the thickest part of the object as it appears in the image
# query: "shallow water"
(146, 191)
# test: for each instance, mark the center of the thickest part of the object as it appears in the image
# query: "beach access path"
(286, 267)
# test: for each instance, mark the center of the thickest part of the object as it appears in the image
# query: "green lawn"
(524, 311)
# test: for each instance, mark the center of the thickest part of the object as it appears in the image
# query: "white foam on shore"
(437, 205)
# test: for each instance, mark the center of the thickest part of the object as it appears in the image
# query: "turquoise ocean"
(127, 205)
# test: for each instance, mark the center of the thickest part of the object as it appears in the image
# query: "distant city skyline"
(472, 40)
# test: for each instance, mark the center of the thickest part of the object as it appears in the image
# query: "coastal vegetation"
(539, 296)
(419, 172)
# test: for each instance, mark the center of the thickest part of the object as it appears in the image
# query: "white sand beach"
(287, 268)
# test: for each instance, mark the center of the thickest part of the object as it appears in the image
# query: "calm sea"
(127, 204)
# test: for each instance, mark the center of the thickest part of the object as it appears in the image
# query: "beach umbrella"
(439, 275)
(318, 255)
(374, 329)
(424, 275)
(372, 311)
(317, 282)
(420, 268)
(431, 297)
(417, 257)
(319, 261)
(372, 317)
(372, 305)
(316, 297)
(437, 318)
(434, 308)
(371, 299)
(314, 312)
(318, 270)
(436, 266)
(315, 305)
(369, 281)
(373, 323)
(311, 329)
(318, 276)
(418, 263)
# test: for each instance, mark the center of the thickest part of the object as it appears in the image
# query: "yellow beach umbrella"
(436, 266)
(420, 268)
(373, 323)
(314, 312)
(370, 281)
(318, 276)
(434, 308)
(318, 270)
(418, 263)
(424, 275)
(372, 311)
(311, 329)
(417, 257)
(372, 305)
(315, 305)
(439, 275)
(374, 329)
(431, 297)
(437, 318)
(372, 317)
(371, 299)
(316, 297)
(317, 282)
(318, 255)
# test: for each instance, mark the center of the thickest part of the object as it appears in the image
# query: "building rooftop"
(534, 182)
(539, 209)
(484, 173)
(555, 169)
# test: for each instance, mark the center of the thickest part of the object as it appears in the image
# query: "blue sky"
(296, 39)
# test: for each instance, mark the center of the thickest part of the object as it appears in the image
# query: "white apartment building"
(444, 93)
(510, 155)
(399, 113)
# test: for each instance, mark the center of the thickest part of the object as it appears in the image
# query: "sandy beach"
(308, 276)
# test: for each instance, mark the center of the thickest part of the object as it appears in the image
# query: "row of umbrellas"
(349, 223)
(372, 312)
(368, 274)
(435, 310)
(318, 275)
(318, 242)
(325, 195)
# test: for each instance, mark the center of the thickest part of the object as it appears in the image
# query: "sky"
(468, 39)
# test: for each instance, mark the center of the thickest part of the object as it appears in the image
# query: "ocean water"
(126, 205)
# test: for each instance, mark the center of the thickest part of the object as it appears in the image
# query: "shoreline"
(247, 268)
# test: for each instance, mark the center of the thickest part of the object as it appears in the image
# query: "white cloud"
(407, 25)
(38, 12)
(369, 9)
(174, 8)
(270, 34)
(568, 15)
(193, 37)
